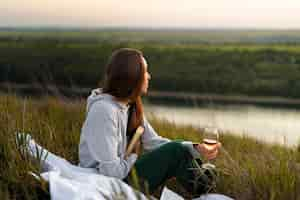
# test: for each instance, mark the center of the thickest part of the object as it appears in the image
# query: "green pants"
(170, 160)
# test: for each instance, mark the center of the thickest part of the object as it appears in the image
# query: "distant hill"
(174, 36)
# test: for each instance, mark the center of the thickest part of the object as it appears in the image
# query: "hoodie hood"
(98, 95)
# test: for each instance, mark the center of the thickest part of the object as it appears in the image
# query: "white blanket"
(72, 182)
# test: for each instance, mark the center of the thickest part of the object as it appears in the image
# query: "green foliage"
(79, 59)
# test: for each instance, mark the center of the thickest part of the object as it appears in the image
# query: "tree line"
(268, 70)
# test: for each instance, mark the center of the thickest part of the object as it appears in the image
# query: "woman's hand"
(208, 151)
(135, 143)
(137, 147)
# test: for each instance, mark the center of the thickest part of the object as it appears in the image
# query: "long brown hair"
(124, 77)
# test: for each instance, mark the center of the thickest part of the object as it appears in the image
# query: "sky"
(282, 14)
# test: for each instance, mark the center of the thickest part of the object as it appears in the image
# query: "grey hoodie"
(103, 138)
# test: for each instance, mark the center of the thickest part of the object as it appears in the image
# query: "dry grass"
(248, 169)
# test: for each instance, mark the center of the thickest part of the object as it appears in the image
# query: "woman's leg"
(170, 160)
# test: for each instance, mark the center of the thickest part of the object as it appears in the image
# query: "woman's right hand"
(137, 148)
(208, 151)
(135, 143)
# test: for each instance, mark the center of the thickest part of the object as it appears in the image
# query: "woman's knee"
(178, 149)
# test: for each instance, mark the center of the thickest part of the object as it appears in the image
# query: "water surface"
(280, 125)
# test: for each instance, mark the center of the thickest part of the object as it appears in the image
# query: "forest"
(78, 60)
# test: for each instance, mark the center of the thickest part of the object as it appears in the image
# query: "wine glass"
(210, 138)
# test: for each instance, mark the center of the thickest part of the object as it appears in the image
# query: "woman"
(114, 112)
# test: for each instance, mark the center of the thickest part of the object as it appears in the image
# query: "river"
(275, 125)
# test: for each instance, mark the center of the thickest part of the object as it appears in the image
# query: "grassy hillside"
(248, 169)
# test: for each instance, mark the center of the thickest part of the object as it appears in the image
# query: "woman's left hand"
(137, 147)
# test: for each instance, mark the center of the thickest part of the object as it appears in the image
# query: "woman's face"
(147, 77)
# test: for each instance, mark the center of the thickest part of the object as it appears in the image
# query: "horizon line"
(71, 27)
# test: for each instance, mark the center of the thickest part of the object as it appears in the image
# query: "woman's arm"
(152, 140)
(101, 137)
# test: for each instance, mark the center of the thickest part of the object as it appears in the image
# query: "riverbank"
(156, 96)
(248, 169)
(269, 119)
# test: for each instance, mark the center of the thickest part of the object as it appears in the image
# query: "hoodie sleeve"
(102, 141)
(152, 140)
